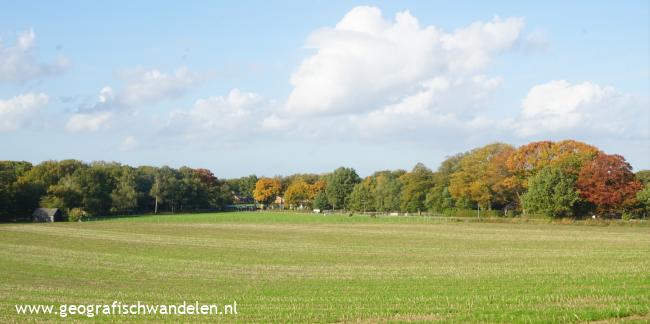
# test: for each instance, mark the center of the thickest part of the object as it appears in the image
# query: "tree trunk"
(155, 210)
(520, 203)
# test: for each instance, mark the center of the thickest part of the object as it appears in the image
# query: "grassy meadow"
(314, 268)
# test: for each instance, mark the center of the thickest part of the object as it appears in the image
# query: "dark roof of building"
(45, 212)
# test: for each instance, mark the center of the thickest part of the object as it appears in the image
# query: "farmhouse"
(242, 200)
(47, 215)
(279, 201)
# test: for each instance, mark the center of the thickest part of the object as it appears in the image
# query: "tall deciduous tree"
(415, 185)
(298, 193)
(243, 186)
(529, 159)
(643, 196)
(13, 200)
(266, 189)
(551, 192)
(608, 182)
(473, 180)
(387, 190)
(643, 176)
(339, 186)
(125, 197)
(165, 188)
(95, 186)
(362, 197)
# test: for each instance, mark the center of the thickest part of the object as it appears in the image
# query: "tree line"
(558, 179)
(99, 188)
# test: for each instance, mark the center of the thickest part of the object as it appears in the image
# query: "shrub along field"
(313, 268)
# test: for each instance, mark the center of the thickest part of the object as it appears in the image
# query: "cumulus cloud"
(18, 63)
(562, 108)
(233, 115)
(149, 87)
(439, 104)
(537, 40)
(88, 122)
(142, 88)
(20, 110)
(367, 62)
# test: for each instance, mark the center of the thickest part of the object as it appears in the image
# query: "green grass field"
(314, 268)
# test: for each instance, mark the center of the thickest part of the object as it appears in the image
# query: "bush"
(77, 215)
(627, 216)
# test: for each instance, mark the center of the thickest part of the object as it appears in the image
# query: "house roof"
(45, 212)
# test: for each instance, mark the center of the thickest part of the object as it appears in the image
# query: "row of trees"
(559, 179)
(101, 188)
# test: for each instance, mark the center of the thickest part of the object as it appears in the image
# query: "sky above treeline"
(281, 87)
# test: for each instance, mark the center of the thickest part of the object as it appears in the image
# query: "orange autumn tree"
(569, 155)
(608, 182)
(297, 193)
(315, 188)
(529, 159)
(475, 179)
(266, 189)
(499, 177)
(302, 192)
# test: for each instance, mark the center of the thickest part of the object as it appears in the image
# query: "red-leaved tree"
(608, 182)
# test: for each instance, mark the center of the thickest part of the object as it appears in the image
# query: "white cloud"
(537, 40)
(142, 88)
(18, 63)
(145, 87)
(561, 108)
(471, 48)
(106, 95)
(129, 143)
(149, 87)
(88, 122)
(231, 116)
(440, 105)
(20, 110)
(367, 62)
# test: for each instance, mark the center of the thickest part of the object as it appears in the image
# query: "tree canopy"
(559, 179)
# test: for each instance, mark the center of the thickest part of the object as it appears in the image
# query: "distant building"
(47, 215)
(242, 200)
(279, 201)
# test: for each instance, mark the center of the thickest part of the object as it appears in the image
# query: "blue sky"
(284, 87)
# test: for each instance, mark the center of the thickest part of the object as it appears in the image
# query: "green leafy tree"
(125, 197)
(361, 197)
(643, 176)
(64, 195)
(551, 192)
(165, 188)
(95, 185)
(340, 185)
(320, 201)
(243, 186)
(415, 186)
(13, 203)
(643, 196)
(439, 199)
(387, 190)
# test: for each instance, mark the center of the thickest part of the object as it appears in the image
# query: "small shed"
(47, 215)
